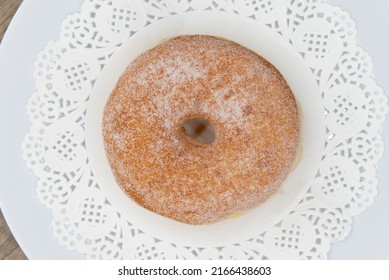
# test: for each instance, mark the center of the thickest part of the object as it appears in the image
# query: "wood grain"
(7, 11)
(9, 248)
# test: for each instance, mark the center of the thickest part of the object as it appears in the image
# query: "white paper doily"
(84, 220)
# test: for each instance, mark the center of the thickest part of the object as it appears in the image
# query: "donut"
(244, 98)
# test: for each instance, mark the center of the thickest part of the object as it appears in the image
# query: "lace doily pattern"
(346, 182)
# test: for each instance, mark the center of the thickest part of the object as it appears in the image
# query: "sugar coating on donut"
(244, 97)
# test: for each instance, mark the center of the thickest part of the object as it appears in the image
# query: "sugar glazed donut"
(247, 101)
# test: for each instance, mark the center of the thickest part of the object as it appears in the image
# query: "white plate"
(273, 48)
(30, 221)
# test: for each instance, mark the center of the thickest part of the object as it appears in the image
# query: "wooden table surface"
(9, 248)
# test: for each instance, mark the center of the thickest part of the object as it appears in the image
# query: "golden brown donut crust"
(244, 97)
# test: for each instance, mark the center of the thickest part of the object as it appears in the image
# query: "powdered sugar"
(240, 94)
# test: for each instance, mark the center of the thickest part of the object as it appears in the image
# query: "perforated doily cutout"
(345, 185)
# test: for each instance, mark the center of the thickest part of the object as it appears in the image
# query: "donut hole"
(199, 130)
